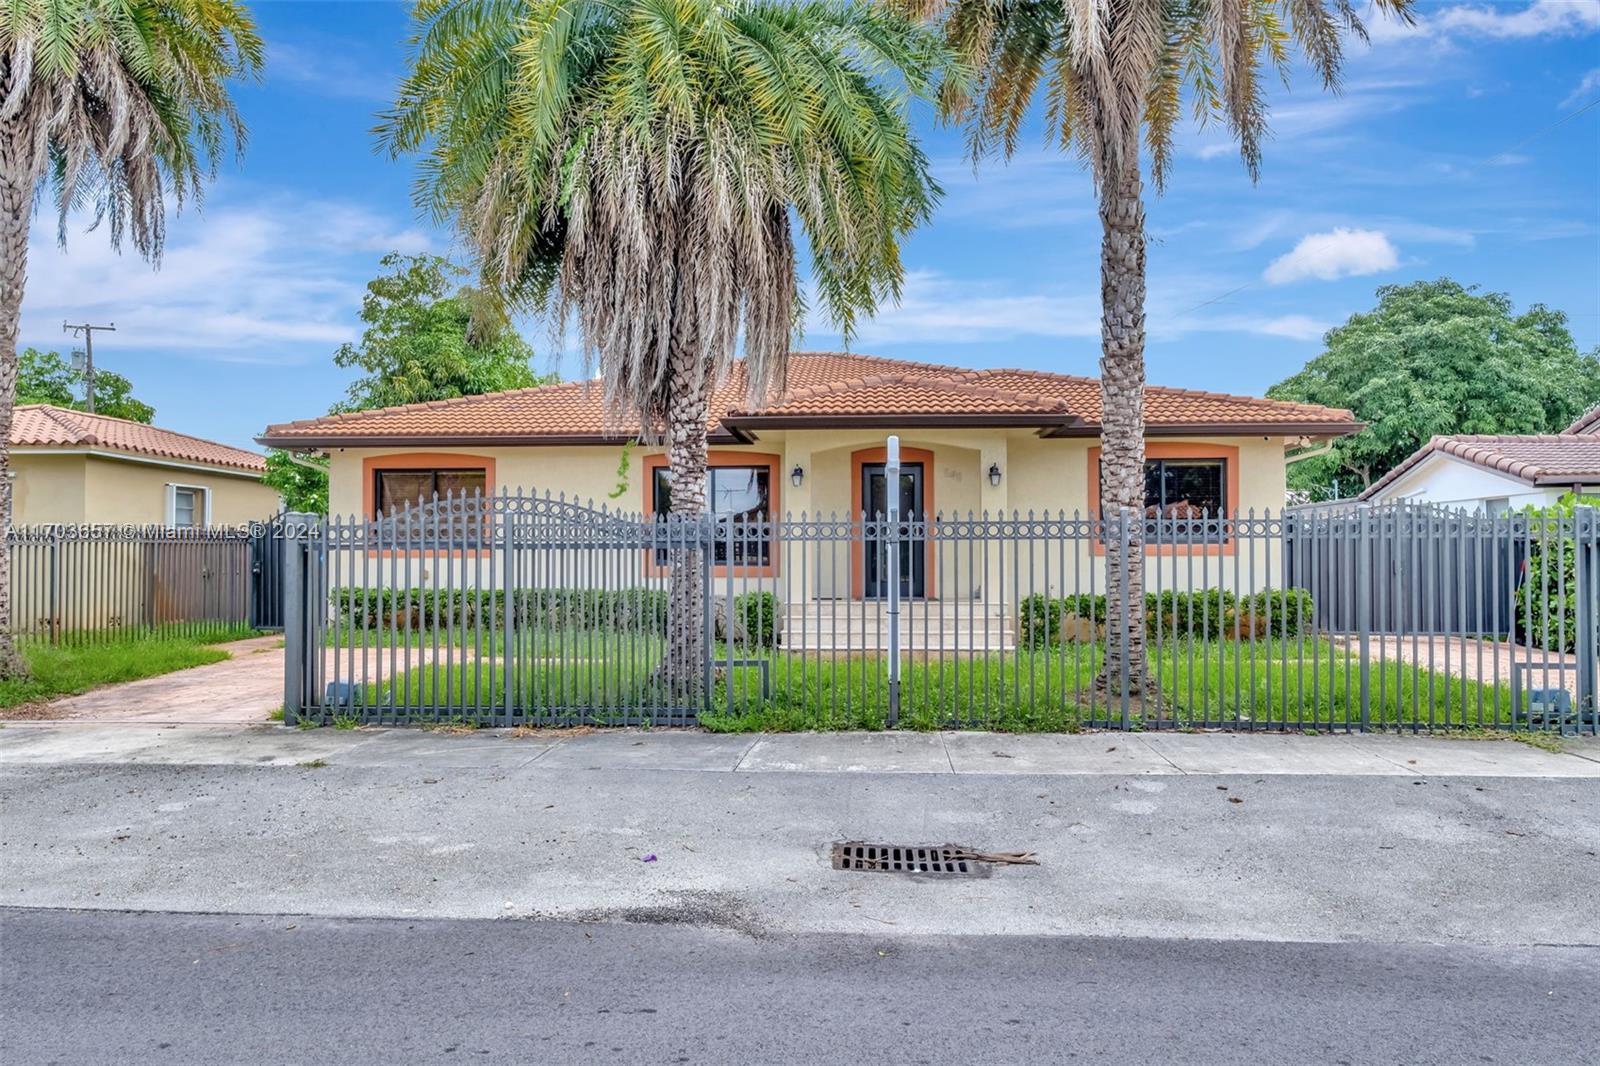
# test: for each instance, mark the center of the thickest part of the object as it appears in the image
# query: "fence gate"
(266, 574)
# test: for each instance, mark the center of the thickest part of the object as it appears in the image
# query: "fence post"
(1586, 586)
(297, 528)
(891, 477)
(55, 585)
(1363, 578)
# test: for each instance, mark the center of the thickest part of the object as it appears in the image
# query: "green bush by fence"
(1547, 603)
(1208, 614)
(635, 610)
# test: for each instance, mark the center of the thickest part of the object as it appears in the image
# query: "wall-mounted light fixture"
(797, 475)
(994, 473)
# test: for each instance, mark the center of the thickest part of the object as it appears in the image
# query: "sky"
(1465, 146)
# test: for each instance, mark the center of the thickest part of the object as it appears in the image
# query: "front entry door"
(875, 501)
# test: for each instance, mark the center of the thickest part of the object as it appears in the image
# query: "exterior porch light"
(797, 475)
(994, 474)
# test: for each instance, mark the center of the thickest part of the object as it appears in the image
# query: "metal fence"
(521, 609)
(83, 584)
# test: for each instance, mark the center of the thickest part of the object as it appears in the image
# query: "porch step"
(845, 626)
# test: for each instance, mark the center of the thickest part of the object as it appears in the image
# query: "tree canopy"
(427, 337)
(1437, 357)
(47, 377)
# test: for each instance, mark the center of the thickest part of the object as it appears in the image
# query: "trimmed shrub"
(1547, 599)
(1208, 614)
(635, 609)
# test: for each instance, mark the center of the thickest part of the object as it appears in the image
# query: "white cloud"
(331, 69)
(1339, 253)
(1590, 82)
(1542, 18)
(236, 284)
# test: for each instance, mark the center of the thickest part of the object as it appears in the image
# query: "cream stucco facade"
(1038, 476)
(87, 486)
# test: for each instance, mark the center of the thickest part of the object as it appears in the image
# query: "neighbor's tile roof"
(823, 388)
(41, 425)
(1542, 459)
(1588, 422)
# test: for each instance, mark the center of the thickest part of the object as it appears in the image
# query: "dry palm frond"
(122, 104)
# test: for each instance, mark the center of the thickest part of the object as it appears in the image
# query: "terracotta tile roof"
(40, 425)
(1588, 422)
(823, 388)
(1541, 459)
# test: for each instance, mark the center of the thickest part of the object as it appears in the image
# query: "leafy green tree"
(649, 168)
(430, 338)
(1438, 357)
(47, 377)
(302, 488)
(121, 106)
(427, 337)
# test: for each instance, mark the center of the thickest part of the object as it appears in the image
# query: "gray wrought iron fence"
(520, 609)
(80, 584)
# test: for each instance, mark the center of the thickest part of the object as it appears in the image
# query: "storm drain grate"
(944, 860)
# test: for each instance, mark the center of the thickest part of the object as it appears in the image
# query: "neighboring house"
(74, 467)
(972, 441)
(1496, 474)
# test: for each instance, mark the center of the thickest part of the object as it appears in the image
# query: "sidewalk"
(1124, 754)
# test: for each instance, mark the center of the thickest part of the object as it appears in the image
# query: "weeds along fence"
(521, 609)
(93, 583)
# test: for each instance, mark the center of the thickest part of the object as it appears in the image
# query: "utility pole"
(86, 331)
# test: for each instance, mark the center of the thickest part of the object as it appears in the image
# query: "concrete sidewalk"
(964, 753)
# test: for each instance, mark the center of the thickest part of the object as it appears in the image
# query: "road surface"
(91, 987)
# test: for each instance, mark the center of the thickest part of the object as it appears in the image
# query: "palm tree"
(640, 167)
(121, 105)
(1109, 71)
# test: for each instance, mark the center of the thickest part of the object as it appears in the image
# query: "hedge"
(637, 609)
(1209, 614)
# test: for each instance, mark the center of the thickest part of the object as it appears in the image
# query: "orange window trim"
(372, 464)
(720, 457)
(858, 558)
(1229, 455)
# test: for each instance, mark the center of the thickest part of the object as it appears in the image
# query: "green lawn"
(602, 676)
(67, 669)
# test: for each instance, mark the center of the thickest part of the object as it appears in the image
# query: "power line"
(87, 331)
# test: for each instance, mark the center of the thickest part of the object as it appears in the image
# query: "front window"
(734, 493)
(394, 490)
(1194, 490)
(1185, 488)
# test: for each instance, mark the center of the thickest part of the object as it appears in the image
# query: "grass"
(596, 677)
(67, 669)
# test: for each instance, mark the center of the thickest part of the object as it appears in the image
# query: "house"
(1496, 474)
(972, 441)
(73, 467)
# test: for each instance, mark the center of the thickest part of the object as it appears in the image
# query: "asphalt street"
(80, 988)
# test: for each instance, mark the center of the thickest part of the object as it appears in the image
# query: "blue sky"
(1459, 147)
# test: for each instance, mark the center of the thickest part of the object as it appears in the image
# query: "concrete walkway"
(1120, 754)
(246, 687)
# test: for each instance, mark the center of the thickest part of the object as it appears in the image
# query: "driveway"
(244, 688)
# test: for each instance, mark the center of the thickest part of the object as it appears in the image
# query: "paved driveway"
(246, 687)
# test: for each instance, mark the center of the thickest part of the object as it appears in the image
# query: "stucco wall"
(89, 488)
(1042, 476)
(47, 489)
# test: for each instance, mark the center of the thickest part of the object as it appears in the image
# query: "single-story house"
(1497, 474)
(993, 441)
(73, 467)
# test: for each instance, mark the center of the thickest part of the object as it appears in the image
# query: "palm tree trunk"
(16, 211)
(1122, 293)
(686, 459)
